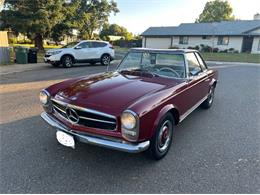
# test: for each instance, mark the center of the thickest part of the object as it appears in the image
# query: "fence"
(4, 48)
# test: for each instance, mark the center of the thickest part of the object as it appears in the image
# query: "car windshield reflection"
(158, 64)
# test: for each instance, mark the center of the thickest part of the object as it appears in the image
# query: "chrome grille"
(87, 117)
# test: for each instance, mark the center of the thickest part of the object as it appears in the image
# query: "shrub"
(197, 47)
(206, 48)
(13, 40)
(174, 47)
(215, 50)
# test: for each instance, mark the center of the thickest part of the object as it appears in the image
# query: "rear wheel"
(67, 61)
(105, 59)
(162, 139)
(209, 101)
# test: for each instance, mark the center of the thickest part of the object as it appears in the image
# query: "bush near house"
(206, 48)
(128, 43)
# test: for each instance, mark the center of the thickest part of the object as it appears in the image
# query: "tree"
(216, 11)
(41, 19)
(92, 15)
(33, 18)
(115, 30)
(68, 23)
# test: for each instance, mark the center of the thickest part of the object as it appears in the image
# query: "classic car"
(134, 108)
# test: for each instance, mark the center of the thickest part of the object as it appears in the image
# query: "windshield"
(70, 45)
(160, 64)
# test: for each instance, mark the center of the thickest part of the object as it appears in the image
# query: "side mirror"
(78, 47)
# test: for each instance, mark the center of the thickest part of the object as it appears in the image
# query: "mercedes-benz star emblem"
(72, 115)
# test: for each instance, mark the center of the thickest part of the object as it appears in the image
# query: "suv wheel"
(67, 61)
(162, 139)
(105, 59)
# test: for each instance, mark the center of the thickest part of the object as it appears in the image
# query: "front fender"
(163, 111)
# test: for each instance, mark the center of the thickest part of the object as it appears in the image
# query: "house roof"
(239, 27)
(171, 51)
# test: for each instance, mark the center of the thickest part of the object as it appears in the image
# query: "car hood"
(58, 49)
(112, 92)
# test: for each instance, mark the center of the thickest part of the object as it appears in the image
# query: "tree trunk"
(38, 41)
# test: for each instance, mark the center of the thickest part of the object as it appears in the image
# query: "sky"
(138, 15)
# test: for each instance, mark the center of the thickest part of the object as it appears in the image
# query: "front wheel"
(209, 101)
(162, 139)
(105, 59)
(67, 61)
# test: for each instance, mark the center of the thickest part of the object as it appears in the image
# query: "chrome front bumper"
(103, 142)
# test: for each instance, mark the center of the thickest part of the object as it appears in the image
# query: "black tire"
(162, 138)
(55, 64)
(105, 59)
(209, 101)
(67, 61)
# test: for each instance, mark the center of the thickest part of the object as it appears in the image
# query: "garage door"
(159, 43)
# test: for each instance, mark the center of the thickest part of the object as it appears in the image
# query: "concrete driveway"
(213, 151)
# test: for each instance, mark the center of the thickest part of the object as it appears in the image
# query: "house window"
(223, 40)
(183, 40)
(205, 37)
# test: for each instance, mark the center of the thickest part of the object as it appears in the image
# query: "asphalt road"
(213, 151)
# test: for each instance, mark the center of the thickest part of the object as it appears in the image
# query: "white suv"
(84, 51)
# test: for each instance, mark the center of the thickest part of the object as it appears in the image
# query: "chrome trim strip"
(83, 109)
(182, 117)
(92, 119)
(119, 145)
(56, 107)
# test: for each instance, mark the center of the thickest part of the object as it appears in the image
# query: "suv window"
(193, 64)
(202, 64)
(85, 45)
(98, 44)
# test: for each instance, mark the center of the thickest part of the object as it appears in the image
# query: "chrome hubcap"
(164, 137)
(211, 95)
(106, 60)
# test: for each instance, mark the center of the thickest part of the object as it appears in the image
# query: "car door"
(99, 49)
(205, 71)
(197, 80)
(84, 51)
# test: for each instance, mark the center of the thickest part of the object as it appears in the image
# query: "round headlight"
(128, 120)
(43, 97)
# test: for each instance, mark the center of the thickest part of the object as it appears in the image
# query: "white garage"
(160, 43)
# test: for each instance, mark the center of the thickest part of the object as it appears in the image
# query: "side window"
(193, 64)
(98, 44)
(201, 62)
(223, 40)
(85, 45)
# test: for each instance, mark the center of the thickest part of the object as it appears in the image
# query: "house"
(240, 36)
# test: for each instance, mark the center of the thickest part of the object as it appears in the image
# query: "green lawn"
(224, 57)
(32, 45)
(40, 54)
(232, 57)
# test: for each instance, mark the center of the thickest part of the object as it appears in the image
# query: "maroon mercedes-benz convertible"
(134, 108)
